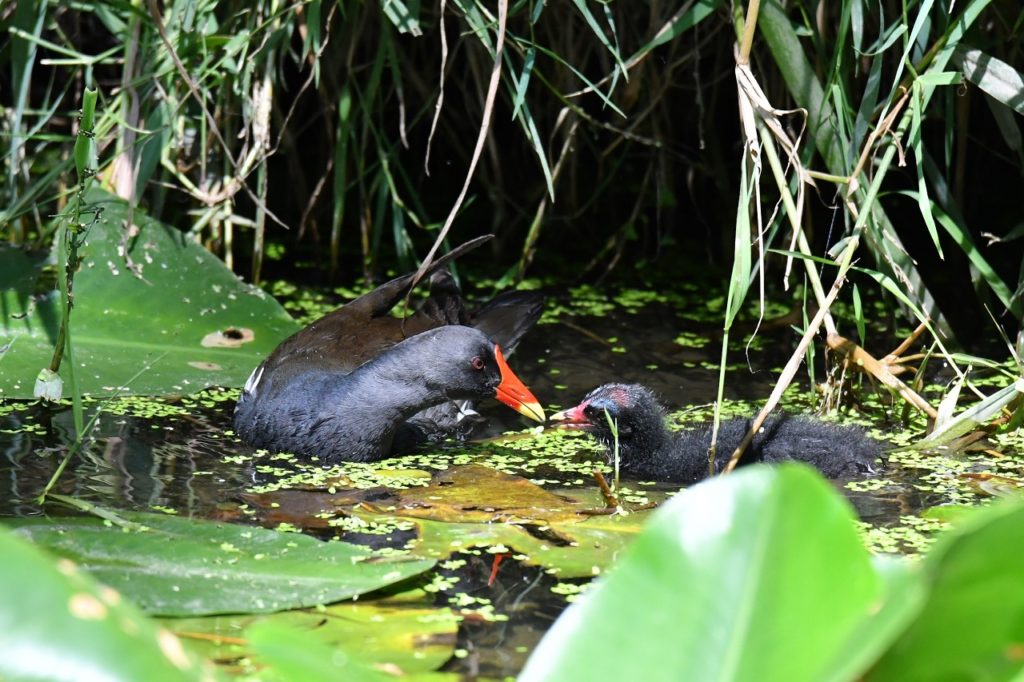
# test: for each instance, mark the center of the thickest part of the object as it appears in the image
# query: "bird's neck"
(384, 390)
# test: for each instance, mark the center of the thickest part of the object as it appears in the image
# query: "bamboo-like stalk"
(70, 239)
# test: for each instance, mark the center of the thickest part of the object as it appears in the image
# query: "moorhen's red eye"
(478, 362)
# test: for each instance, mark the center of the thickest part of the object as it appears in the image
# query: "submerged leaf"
(409, 637)
(479, 493)
(568, 550)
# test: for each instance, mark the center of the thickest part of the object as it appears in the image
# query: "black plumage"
(649, 450)
(359, 384)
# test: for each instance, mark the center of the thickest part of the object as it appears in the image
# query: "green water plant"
(62, 624)
(801, 599)
(204, 573)
(148, 297)
(71, 236)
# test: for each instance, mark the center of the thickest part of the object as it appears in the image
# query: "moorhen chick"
(649, 450)
(359, 384)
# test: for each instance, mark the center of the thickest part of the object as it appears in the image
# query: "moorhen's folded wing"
(357, 382)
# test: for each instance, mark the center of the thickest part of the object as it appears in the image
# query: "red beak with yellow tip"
(514, 393)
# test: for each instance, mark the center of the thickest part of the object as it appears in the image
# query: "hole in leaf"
(232, 337)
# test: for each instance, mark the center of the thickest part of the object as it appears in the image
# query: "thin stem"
(749, 24)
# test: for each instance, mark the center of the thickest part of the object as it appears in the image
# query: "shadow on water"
(180, 455)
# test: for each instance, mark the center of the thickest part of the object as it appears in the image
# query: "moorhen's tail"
(362, 329)
(382, 299)
(507, 317)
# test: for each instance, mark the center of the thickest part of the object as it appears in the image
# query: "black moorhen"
(649, 450)
(359, 384)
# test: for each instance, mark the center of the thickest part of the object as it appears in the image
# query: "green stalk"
(739, 284)
(71, 236)
(613, 424)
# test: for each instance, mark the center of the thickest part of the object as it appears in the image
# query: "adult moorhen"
(359, 384)
(649, 450)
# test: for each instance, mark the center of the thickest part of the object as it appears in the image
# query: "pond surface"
(180, 456)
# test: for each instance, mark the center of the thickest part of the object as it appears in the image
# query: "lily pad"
(146, 298)
(293, 657)
(390, 634)
(60, 624)
(175, 566)
(468, 493)
(567, 550)
(472, 506)
(478, 493)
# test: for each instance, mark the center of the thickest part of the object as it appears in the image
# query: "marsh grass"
(611, 140)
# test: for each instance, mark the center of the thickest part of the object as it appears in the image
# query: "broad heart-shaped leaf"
(759, 575)
(121, 323)
(294, 657)
(179, 567)
(400, 633)
(60, 624)
(972, 627)
(568, 550)
(474, 506)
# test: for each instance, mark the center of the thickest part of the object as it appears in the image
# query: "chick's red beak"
(514, 393)
(573, 418)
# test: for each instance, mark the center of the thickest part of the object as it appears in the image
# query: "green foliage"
(297, 658)
(154, 312)
(214, 567)
(60, 624)
(760, 575)
(399, 631)
(235, 121)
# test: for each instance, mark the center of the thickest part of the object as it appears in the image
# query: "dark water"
(179, 456)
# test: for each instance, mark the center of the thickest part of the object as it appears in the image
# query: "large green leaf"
(973, 624)
(402, 633)
(294, 657)
(165, 315)
(474, 506)
(59, 624)
(178, 566)
(759, 575)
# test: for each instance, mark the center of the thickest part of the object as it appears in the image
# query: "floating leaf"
(59, 624)
(478, 493)
(294, 657)
(473, 506)
(411, 637)
(179, 566)
(578, 550)
(146, 296)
